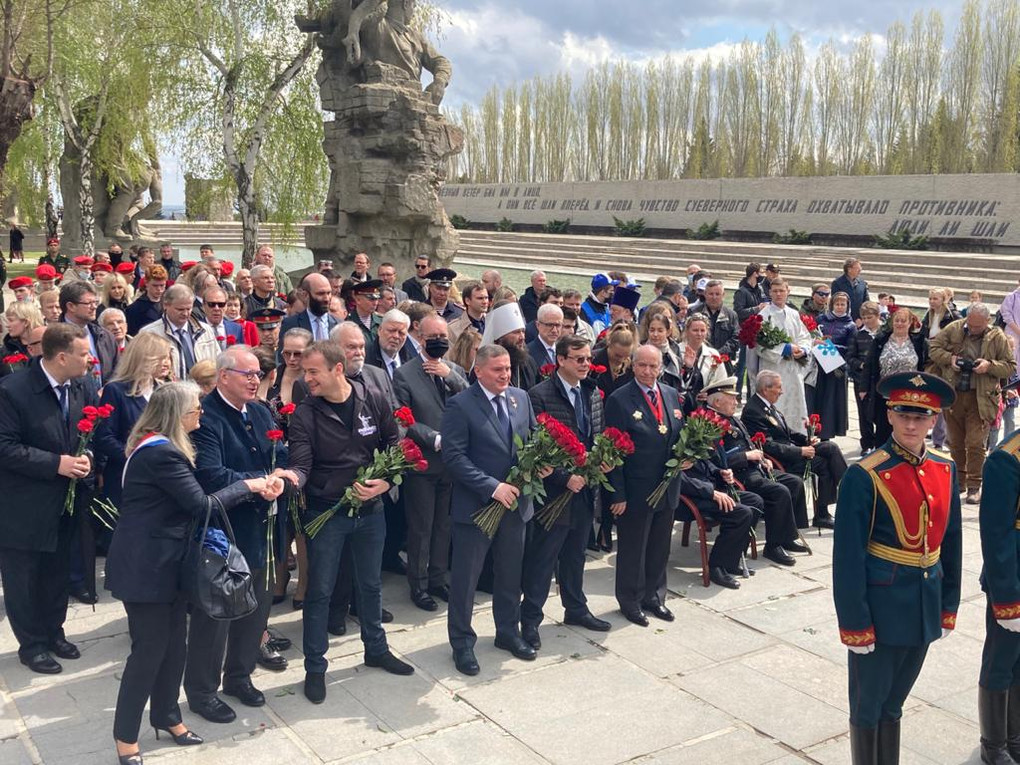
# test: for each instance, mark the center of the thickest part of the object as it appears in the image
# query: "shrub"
(793, 237)
(901, 240)
(505, 224)
(705, 231)
(629, 227)
(557, 226)
(459, 222)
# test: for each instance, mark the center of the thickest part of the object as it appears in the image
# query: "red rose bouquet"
(387, 465)
(755, 331)
(609, 448)
(86, 430)
(698, 440)
(551, 444)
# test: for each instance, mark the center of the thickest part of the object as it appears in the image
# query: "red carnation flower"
(599, 369)
(547, 370)
(816, 419)
(274, 435)
(220, 338)
(231, 340)
(405, 416)
(15, 358)
(89, 413)
(602, 394)
(809, 322)
(288, 409)
(85, 426)
(758, 438)
(724, 358)
(105, 411)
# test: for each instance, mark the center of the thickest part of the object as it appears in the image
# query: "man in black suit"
(793, 450)
(316, 293)
(390, 350)
(232, 446)
(549, 323)
(651, 414)
(424, 384)
(570, 397)
(416, 285)
(78, 303)
(748, 464)
(39, 412)
(478, 429)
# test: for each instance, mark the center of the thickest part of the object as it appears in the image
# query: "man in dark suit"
(748, 463)
(226, 332)
(424, 384)
(651, 414)
(791, 449)
(78, 303)
(232, 446)
(549, 323)
(390, 349)
(316, 293)
(572, 399)
(39, 412)
(529, 300)
(479, 426)
(416, 285)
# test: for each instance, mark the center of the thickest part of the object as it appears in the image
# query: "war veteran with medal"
(896, 563)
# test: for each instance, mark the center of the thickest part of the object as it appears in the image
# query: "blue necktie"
(504, 418)
(582, 420)
(62, 397)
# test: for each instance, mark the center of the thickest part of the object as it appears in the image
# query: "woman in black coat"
(160, 502)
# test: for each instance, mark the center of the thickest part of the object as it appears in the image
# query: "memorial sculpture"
(388, 143)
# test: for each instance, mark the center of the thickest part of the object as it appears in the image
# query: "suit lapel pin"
(637, 415)
(513, 402)
(663, 428)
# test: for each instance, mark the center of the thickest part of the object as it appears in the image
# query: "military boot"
(889, 742)
(992, 714)
(863, 745)
(1013, 723)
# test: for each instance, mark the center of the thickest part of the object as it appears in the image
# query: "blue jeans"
(366, 535)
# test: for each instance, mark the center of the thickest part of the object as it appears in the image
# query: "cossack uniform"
(896, 569)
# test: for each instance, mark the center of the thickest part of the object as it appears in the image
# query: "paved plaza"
(751, 676)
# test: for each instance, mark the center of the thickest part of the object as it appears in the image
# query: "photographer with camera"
(973, 356)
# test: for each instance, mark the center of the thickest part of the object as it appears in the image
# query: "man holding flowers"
(572, 399)
(333, 433)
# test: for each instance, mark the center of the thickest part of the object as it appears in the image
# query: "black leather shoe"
(213, 710)
(82, 595)
(315, 687)
(246, 693)
(531, 636)
(638, 617)
(387, 617)
(796, 546)
(390, 663)
(658, 610)
(442, 592)
(423, 600)
(337, 628)
(42, 663)
(740, 572)
(778, 555)
(589, 621)
(278, 642)
(723, 578)
(297, 604)
(64, 649)
(517, 646)
(270, 659)
(824, 522)
(465, 661)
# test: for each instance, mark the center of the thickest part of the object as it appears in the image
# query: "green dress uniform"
(999, 691)
(896, 571)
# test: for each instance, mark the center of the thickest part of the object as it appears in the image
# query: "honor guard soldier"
(896, 563)
(999, 683)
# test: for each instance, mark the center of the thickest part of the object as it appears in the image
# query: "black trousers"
(777, 496)
(865, 419)
(230, 648)
(427, 506)
(829, 465)
(470, 545)
(153, 670)
(35, 591)
(734, 528)
(643, 542)
(396, 529)
(561, 548)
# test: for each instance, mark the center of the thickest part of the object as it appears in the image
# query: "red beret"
(102, 267)
(83, 260)
(226, 268)
(188, 265)
(45, 272)
(20, 281)
(125, 268)
(53, 240)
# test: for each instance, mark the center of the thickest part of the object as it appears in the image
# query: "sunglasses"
(215, 305)
(420, 267)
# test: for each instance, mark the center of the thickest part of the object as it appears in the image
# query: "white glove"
(861, 649)
(946, 632)
(1013, 625)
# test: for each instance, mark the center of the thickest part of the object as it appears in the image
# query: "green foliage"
(557, 226)
(505, 225)
(459, 222)
(901, 240)
(634, 228)
(793, 237)
(705, 231)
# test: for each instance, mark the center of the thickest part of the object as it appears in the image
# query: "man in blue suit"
(232, 445)
(316, 292)
(226, 332)
(549, 324)
(478, 430)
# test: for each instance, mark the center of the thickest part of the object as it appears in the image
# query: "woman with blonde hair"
(701, 363)
(464, 348)
(20, 318)
(115, 293)
(161, 500)
(203, 374)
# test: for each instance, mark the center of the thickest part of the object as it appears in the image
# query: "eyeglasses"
(37, 342)
(89, 303)
(549, 324)
(215, 305)
(580, 359)
(250, 376)
(420, 266)
(291, 354)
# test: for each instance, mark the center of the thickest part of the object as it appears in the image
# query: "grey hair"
(260, 269)
(765, 379)
(178, 292)
(537, 272)
(714, 283)
(344, 326)
(980, 309)
(485, 353)
(299, 334)
(228, 358)
(716, 395)
(397, 316)
(110, 313)
(165, 414)
(550, 310)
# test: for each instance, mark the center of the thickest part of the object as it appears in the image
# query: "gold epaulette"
(1012, 445)
(874, 459)
(938, 454)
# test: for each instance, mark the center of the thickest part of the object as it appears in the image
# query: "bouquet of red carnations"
(86, 429)
(814, 427)
(698, 440)
(609, 448)
(15, 360)
(551, 445)
(758, 440)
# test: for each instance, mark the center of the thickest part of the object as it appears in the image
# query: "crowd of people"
(140, 395)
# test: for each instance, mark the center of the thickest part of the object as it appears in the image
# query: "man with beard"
(315, 292)
(476, 304)
(504, 326)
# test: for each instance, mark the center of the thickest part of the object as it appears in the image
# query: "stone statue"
(388, 144)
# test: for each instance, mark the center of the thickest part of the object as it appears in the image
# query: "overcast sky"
(492, 42)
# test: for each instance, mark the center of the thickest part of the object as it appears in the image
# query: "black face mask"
(437, 347)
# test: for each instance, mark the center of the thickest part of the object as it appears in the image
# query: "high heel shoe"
(188, 738)
(130, 759)
(605, 538)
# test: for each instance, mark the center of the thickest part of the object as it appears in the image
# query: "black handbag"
(223, 587)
